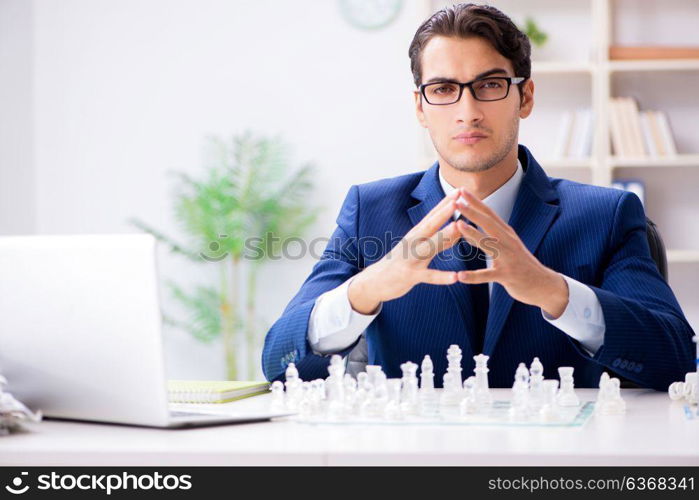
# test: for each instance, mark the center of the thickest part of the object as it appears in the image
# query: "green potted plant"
(537, 37)
(247, 202)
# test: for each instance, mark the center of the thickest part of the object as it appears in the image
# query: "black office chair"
(657, 252)
(657, 247)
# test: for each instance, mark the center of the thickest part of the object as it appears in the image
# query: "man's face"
(462, 60)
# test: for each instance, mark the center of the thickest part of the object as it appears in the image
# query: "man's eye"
(491, 84)
(445, 89)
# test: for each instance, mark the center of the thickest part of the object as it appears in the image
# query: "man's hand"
(513, 265)
(406, 264)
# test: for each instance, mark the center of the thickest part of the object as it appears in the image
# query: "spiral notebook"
(213, 391)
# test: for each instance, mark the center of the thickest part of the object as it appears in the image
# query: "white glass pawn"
(522, 375)
(293, 387)
(305, 408)
(362, 389)
(409, 389)
(609, 401)
(334, 386)
(350, 392)
(427, 374)
(368, 405)
(380, 393)
(446, 397)
(292, 377)
(617, 403)
(337, 365)
(305, 390)
(566, 395)
(428, 396)
(394, 389)
(336, 361)
(481, 390)
(372, 371)
(548, 408)
(536, 371)
(392, 410)
(277, 390)
(520, 392)
(603, 392)
(468, 403)
(316, 396)
(320, 383)
(536, 377)
(380, 379)
(305, 403)
(336, 368)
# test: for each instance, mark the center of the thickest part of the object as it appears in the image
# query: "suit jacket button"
(624, 364)
(631, 366)
(639, 367)
(616, 362)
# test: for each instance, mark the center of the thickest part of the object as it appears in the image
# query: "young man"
(483, 249)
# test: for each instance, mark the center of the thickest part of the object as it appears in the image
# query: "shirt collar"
(502, 200)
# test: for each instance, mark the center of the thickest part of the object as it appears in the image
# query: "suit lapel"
(533, 213)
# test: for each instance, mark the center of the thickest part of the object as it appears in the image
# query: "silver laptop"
(80, 331)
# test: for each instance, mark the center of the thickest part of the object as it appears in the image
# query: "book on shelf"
(615, 128)
(667, 139)
(635, 53)
(633, 119)
(574, 137)
(213, 391)
(639, 134)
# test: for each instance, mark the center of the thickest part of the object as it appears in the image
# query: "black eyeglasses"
(492, 88)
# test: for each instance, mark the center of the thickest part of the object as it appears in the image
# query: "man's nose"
(468, 108)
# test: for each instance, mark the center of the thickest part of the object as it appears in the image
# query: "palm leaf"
(247, 190)
(175, 247)
(204, 304)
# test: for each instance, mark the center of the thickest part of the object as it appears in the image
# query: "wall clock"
(370, 14)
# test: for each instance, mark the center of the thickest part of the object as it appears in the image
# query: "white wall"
(17, 199)
(124, 91)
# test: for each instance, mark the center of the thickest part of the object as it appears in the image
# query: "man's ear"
(527, 101)
(418, 109)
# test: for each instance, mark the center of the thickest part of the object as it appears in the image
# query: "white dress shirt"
(334, 325)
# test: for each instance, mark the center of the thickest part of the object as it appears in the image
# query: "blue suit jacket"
(593, 234)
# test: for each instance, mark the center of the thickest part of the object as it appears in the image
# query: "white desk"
(654, 431)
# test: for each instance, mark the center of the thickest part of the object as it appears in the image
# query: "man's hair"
(467, 20)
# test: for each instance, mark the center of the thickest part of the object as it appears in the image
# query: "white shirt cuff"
(334, 325)
(583, 318)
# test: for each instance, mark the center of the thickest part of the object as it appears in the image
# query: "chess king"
(483, 249)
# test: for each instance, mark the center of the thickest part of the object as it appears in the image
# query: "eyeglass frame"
(511, 80)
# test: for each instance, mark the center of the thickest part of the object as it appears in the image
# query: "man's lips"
(469, 137)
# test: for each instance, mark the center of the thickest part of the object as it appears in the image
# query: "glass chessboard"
(498, 415)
